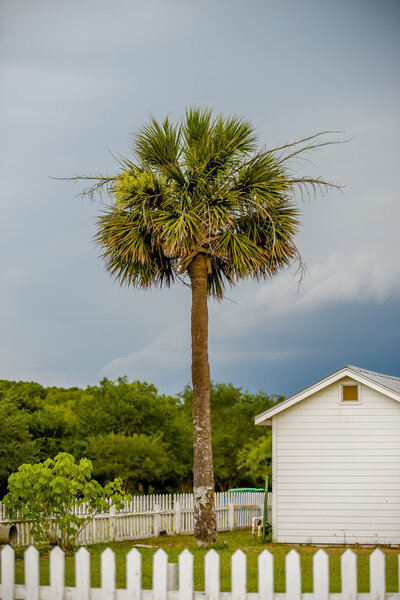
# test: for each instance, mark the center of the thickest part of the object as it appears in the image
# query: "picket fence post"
(231, 517)
(107, 574)
(8, 572)
(156, 520)
(321, 575)
(113, 512)
(82, 574)
(31, 566)
(160, 575)
(134, 574)
(239, 575)
(57, 573)
(211, 575)
(293, 575)
(377, 575)
(266, 575)
(186, 573)
(177, 517)
(348, 565)
(172, 577)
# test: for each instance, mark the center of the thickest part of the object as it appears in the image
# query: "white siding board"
(328, 485)
(391, 436)
(316, 469)
(334, 451)
(348, 446)
(337, 470)
(314, 521)
(370, 503)
(347, 510)
(347, 418)
(333, 494)
(355, 427)
(380, 460)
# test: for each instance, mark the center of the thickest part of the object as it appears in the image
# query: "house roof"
(385, 384)
(392, 383)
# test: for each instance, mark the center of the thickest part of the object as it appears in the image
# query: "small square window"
(349, 393)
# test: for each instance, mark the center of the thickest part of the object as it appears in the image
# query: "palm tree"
(201, 202)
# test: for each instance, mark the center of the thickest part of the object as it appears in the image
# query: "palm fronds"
(203, 186)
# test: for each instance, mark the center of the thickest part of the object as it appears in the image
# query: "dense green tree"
(115, 407)
(117, 423)
(140, 460)
(255, 459)
(49, 414)
(51, 427)
(202, 201)
(179, 438)
(27, 395)
(16, 443)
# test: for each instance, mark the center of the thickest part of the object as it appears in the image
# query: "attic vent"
(350, 393)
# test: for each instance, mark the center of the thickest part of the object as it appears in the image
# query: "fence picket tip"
(377, 552)
(265, 552)
(293, 575)
(348, 552)
(292, 556)
(56, 550)
(210, 553)
(107, 553)
(31, 551)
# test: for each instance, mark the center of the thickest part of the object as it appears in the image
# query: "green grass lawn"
(242, 539)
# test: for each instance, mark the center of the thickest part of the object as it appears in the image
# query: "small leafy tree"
(47, 493)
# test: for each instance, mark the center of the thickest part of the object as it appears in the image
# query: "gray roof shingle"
(390, 382)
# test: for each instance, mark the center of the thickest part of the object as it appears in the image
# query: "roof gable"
(385, 384)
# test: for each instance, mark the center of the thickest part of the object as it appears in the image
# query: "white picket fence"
(146, 516)
(166, 586)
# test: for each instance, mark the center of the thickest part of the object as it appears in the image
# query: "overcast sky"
(79, 77)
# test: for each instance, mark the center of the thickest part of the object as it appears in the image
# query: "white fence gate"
(163, 585)
(146, 516)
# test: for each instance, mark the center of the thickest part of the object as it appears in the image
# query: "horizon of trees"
(131, 431)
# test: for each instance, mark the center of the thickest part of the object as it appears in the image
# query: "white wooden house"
(336, 461)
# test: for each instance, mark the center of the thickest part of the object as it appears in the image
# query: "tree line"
(130, 430)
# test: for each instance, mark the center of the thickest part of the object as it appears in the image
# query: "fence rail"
(181, 587)
(146, 516)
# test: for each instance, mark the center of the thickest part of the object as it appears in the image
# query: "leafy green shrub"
(47, 493)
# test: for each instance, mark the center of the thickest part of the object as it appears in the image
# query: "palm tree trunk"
(205, 523)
